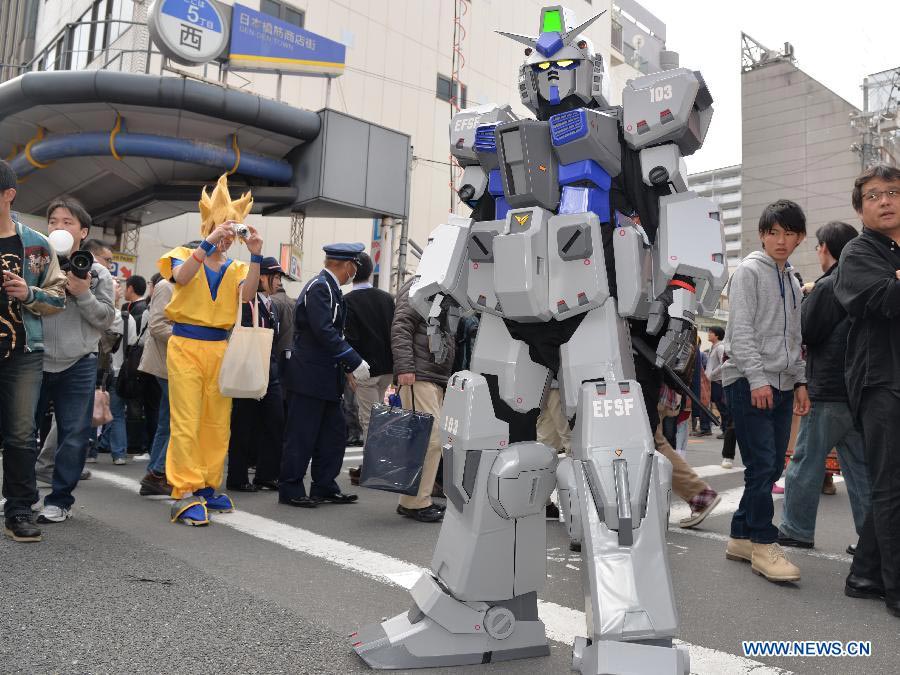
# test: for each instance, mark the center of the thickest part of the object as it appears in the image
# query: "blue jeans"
(828, 425)
(763, 436)
(20, 388)
(72, 394)
(114, 436)
(161, 439)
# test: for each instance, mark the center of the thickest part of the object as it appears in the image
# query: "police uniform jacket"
(320, 354)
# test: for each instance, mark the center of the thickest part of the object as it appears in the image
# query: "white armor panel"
(690, 241)
(480, 286)
(633, 273)
(441, 268)
(577, 268)
(523, 384)
(520, 266)
(465, 123)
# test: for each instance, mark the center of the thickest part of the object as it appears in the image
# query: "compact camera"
(241, 230)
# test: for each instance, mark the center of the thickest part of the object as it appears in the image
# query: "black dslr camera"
(79, 263)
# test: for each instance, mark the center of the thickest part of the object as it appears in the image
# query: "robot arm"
(665, 117)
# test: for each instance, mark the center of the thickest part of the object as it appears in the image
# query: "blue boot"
(216, 503)
(190, 511)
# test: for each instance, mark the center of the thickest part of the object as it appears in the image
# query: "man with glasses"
(314, 377)
(765, 382)
(868, 287)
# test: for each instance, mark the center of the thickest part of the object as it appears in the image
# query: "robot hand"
(677, 345)
(675, 309)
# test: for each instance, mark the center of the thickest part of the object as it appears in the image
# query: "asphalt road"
(271, 589)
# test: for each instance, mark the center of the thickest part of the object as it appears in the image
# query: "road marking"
(708, 470)
(563, 624)
(835, 557)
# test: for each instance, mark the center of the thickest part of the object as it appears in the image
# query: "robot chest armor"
(536, 266)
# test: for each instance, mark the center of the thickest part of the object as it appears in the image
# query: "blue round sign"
(190, 32)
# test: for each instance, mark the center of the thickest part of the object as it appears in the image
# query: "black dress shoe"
(428, 514)
(302, 502)
(20, 528)
(575, 546)
(354, 443)
(336, 498)
(271, 485)
(785, 540)
(851, 549)
(859, 587)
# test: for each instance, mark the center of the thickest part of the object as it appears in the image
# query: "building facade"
(18, 23)
(796, 140)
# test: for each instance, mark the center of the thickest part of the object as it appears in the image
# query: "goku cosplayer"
(207, 286)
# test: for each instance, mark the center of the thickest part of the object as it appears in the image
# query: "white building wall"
(395, 49)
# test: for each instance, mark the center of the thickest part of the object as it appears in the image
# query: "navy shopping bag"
(395, 449)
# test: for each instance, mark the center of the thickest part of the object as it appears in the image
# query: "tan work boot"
(769, 561)
(738, 549)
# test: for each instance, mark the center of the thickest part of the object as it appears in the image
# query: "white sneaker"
(90, 460)
(119, 461)
(145, 457)
(53, 514)
(727, 464)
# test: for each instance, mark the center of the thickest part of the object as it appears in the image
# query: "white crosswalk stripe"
(563, 623)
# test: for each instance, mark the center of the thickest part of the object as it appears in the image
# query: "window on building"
(283, 11)
(444, 90)
(118, 11)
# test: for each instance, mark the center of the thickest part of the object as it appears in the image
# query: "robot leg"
(478, 603)
(623, 491)
(568, 499)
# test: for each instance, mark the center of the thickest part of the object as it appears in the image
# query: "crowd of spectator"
(822, 358)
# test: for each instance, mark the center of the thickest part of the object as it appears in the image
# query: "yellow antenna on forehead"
(218, 207)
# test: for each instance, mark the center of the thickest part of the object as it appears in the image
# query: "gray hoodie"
(763, 339)
(75, 332)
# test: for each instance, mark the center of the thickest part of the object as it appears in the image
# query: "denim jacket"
(46, 284)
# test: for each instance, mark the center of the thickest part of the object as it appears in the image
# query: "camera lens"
(242, 230)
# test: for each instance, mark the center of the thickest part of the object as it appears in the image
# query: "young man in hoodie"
(765, 382)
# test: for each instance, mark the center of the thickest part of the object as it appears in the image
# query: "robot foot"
(454, 633)
(607, 657)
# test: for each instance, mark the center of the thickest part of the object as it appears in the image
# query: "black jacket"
(868, 288)
(320, 354)
(825, 326)
(369, 315)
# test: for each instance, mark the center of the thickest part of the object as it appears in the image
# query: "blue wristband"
(207, 247)
(254, 258)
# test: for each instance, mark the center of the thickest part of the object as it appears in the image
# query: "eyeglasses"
(876, 195)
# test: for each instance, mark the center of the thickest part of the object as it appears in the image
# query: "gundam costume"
(562, 279)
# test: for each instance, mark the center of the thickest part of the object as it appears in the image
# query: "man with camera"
(70, 358)
(33, 282)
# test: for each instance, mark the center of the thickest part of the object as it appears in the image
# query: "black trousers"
(315, 431)
(878, 552)
(257, 428)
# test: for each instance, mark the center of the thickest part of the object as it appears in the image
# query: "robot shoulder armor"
(465, 123)
(587, 134)
(670, 106)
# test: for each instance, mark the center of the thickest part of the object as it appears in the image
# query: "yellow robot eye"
(565, 64)
(543, 65)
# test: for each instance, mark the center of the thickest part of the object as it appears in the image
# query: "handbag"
(395, 448)
(245, 367)
(102, 412)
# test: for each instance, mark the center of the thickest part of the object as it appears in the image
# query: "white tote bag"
(245, 367)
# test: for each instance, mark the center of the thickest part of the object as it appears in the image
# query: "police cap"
(270, 266)
(344, 251)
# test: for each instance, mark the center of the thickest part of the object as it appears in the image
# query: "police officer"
(314, 378)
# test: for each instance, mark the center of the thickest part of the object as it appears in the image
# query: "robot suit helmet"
(561, 70)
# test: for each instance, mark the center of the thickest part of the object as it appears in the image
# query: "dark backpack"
(129, 383)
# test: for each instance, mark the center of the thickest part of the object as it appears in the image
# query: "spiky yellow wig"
(215, 209)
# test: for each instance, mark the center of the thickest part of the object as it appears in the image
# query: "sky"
(836, 43)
